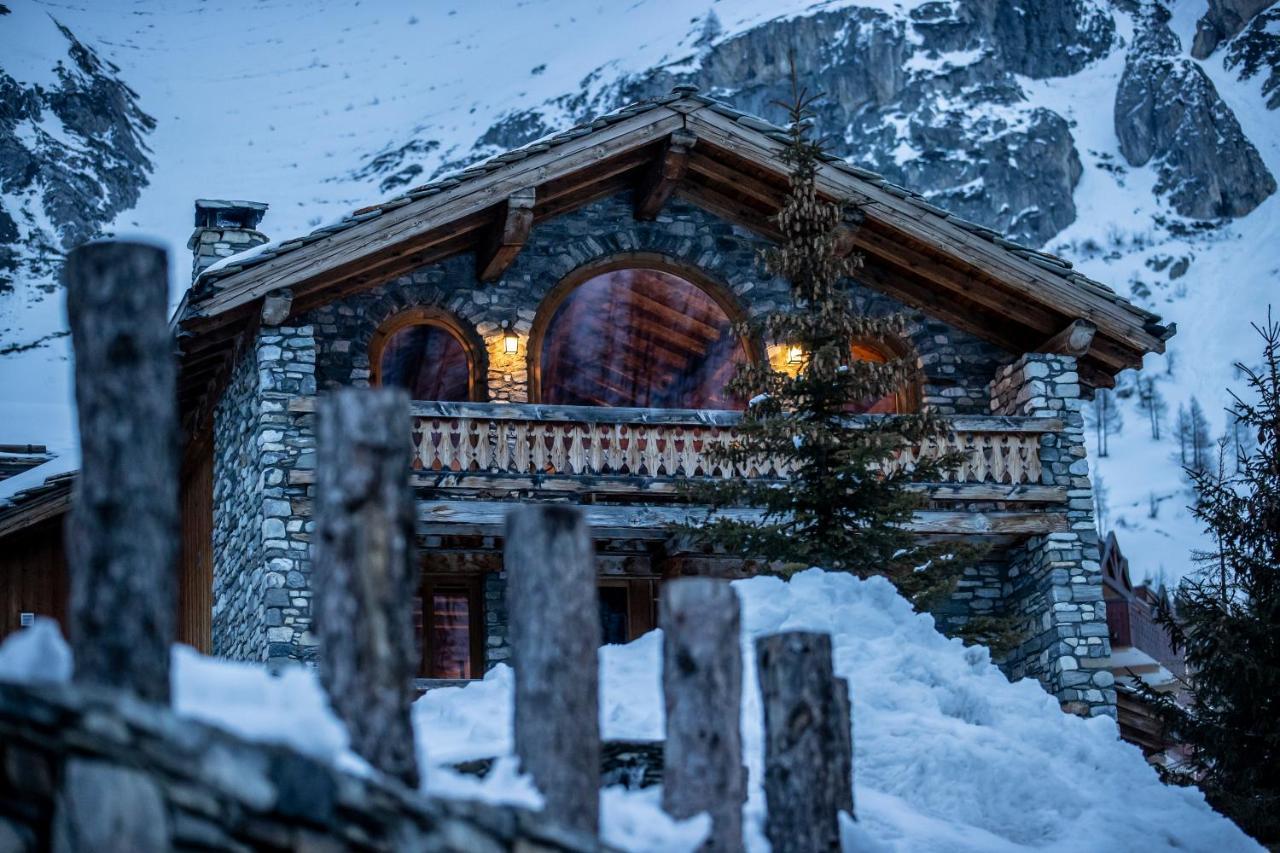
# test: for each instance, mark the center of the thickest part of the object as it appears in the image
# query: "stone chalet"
(563, 315)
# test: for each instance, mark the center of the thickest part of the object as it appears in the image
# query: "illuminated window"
(900, 402)
(640, 337)
(450, 628)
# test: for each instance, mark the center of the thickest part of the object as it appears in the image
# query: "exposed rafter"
(507, 236)
(665, 175)
(1075, 339)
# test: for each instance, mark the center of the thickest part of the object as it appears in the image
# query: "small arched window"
(426, 352)
(639, 337)
(904, 400)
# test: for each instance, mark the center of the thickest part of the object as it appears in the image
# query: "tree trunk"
(805, 742)
(364, 572)
(122, 543)
(702, 689)
(555, 637)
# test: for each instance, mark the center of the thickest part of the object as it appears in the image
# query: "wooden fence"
(124, 536)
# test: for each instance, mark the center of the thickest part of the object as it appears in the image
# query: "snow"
(66, 461)
(36, 655)
(948, 754)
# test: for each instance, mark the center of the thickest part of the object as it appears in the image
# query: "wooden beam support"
(667, 172)
(276, 306)
(1075, 339)
(508, 236)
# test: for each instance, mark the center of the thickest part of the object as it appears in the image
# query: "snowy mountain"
(1140, 139)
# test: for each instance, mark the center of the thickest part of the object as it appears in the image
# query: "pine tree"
(1200, 443)
(1152, 404)
(840, 508)
(1228, 622)
(1104, 417)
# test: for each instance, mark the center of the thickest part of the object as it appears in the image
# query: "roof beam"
(508, 235)
(665, 174)
(1075, 339)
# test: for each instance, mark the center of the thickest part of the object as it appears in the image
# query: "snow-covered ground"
(284, 101)
(948, 755)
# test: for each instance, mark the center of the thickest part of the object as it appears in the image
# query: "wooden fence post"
(702, 689)
(365, 574)
(122, 542)
(803, 720)
(555, 637)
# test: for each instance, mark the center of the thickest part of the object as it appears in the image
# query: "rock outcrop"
(73, 154)
(1223, 20)
(1167, 112)
(1257, 51)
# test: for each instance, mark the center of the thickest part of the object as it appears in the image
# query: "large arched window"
(426, 351)
(641, 337)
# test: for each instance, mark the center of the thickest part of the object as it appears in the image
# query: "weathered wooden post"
(555, 635)
(122, 544)
(365, 575)
(702, 689)
(804, 740)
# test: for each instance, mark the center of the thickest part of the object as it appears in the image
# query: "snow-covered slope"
(1028, 115)
(948, 755)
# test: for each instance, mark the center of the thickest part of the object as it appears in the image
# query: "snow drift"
(948, 755)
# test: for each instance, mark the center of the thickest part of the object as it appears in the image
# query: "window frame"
(473, 587)
(430, 315)
(555, 298)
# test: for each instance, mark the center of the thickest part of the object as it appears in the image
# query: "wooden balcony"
(627, 464)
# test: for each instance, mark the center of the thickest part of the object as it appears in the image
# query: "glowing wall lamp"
(795, 354)
(510, 340)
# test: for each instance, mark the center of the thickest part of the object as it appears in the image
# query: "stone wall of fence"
(91, 770)
(1055, 582)
(262, 524)
(955, 366)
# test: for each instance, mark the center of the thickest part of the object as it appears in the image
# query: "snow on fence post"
(365, 572)
(122, 538)
(702, 690)
(806, 741)
(555, 636)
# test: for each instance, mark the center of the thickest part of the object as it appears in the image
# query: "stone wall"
(262, 528)
(1055, 582)
(85, 770)
(956, 367)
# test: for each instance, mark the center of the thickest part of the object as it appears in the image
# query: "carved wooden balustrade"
(672, 444)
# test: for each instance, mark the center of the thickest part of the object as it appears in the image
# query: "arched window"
(640, 337)
(903, 401)
(427, 352)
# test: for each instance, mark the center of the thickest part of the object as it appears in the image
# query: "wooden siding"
(33, 574)
(195, 559)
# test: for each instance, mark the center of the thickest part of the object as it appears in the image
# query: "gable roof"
(971, 276)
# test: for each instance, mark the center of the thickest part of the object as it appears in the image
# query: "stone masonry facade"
(1055, 582)
(262, 524)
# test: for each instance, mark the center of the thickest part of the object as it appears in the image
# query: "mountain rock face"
(1167, 110)
(1257, 50)
(72, 155)
(932, 99)
(1223, 20)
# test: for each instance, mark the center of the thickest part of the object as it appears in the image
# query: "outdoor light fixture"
(510, 341)
(795, 354)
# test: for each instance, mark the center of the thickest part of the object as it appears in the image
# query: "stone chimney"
(224, 228)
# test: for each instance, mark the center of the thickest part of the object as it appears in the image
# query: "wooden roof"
(718, 158)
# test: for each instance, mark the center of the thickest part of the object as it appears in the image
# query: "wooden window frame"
(719, 293)
(642, 602)
(430, 315)
(473, 586)
(908, 399)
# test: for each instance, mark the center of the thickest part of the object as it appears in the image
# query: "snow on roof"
(32, 481)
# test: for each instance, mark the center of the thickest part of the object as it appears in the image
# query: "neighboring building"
(564, 316)
(1141, 651)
